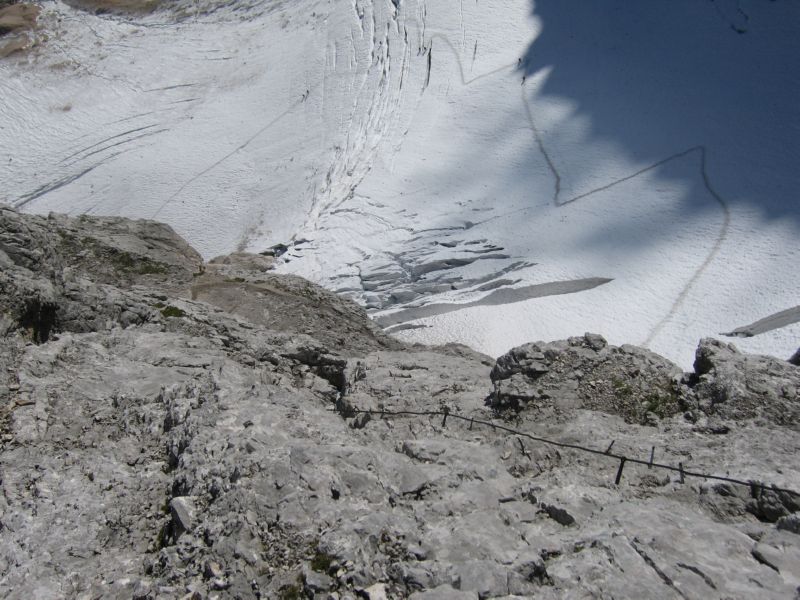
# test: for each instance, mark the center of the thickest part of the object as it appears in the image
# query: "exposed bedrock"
(640, 386)
(585, 372)
(173, 429)
(732, 385)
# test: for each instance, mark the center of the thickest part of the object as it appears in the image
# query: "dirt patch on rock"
(117, 6)
(16, 17)
(17, 20)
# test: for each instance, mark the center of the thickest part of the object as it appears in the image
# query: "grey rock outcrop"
(731, 385)
(640, 386)
(585, 372)
(795, 358)
(211, 445)
(61, 274)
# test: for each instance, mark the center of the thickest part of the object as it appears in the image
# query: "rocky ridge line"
(168, 431)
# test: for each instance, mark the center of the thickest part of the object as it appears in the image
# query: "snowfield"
(489, 172)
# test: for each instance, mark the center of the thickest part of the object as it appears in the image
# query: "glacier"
(487, 172)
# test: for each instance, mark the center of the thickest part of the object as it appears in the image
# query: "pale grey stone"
(444, 592)
(170, 430)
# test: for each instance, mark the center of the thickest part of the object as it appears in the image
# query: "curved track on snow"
(427, 310)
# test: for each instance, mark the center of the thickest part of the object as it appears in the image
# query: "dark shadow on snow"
(652, 76)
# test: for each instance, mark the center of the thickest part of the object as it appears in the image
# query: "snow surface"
(416, 152)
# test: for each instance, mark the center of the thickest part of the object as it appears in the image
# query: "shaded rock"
(730, 385)
(66, 274)
(317, 582)
(559, 515)
(585, 372)
(183, 514)
(771, 505)
(595, 341)
(789, 523)
(726, 501)
(528, 577)
(527, 359)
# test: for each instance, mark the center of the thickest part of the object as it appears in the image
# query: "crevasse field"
(488, 172)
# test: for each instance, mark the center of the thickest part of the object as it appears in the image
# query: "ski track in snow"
(218, 162)
(721, 236)
(344, 174)
(700, 151)
(373, 88)
(558, 202)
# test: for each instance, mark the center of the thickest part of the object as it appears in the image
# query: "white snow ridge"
(483, 171)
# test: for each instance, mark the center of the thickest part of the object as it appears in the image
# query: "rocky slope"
(175, 429)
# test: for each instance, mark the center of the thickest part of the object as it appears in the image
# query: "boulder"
(585, 372)
(731, 385)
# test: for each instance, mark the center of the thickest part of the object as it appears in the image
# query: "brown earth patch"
(116, 6)
(17, 19)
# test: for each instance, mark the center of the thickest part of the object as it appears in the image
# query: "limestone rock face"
(61, 274)
(640, 386)
(732, 385)
(795, 358)
(585, 372)
(197, 432)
